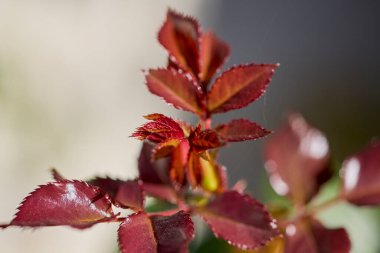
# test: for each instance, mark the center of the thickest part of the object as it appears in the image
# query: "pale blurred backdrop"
(72, 91)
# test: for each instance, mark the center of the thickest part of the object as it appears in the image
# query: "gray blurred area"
(71, 91)
(329, 53)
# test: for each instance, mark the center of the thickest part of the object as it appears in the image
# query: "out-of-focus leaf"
(180, 35)
(361, 176)
(126, 194)
(274, 246)
(156, 234)
(178, 164)
(202, 140)
(72, 203)
(213, 54)
(239, 219)
(175, 88)
(155, 175)
(159, 129)
(313, 237)
(239, 86)
(297, 159)
(241, 130)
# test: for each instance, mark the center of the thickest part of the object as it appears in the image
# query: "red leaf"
(175, 88)
(179, 35)
(202, 140)
(241, 130)
(314, 238)
(126, 194)
(297, 159)
(361, 175)
(72, 203)
(159, 129)
(239, 86)
(213, 54)
(178, 164)
(155, 175)
(156, 234)
(165, 148)
(239, 219)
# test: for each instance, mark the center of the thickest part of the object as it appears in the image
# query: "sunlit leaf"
(156, 234)
(239, 86)
(213, 54)
(361, 176)
(175, 88)
(297, 159)
(160, 128)
(239, 219)
(313, 237)
(127, 194)
(72, 203)
(241, 130)
(180, 35)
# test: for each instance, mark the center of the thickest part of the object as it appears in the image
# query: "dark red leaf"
(155, 175)
(180, 35)
(213, 54)
(361, 176)
(136, 234)
(175, 88)
(314, 238)
(72, 203)
(159, 129)
(241, 130)
(126, 194)
(202, 140)
(174, 232)
(239, 86)
(297, 159)
(239, 219)
(156, 234)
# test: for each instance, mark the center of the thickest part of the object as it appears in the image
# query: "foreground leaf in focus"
(156, 234)
(297, 159)
(159, 129)
(175, 88)
(239, 86)
(361, 176)
(241, 130)
(72, 203)
(239, 219)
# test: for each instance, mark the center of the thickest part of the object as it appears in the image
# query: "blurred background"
(72, 91)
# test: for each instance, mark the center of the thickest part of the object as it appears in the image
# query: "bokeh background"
(72, 91)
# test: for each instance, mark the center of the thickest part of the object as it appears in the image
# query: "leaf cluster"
(178, 164)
